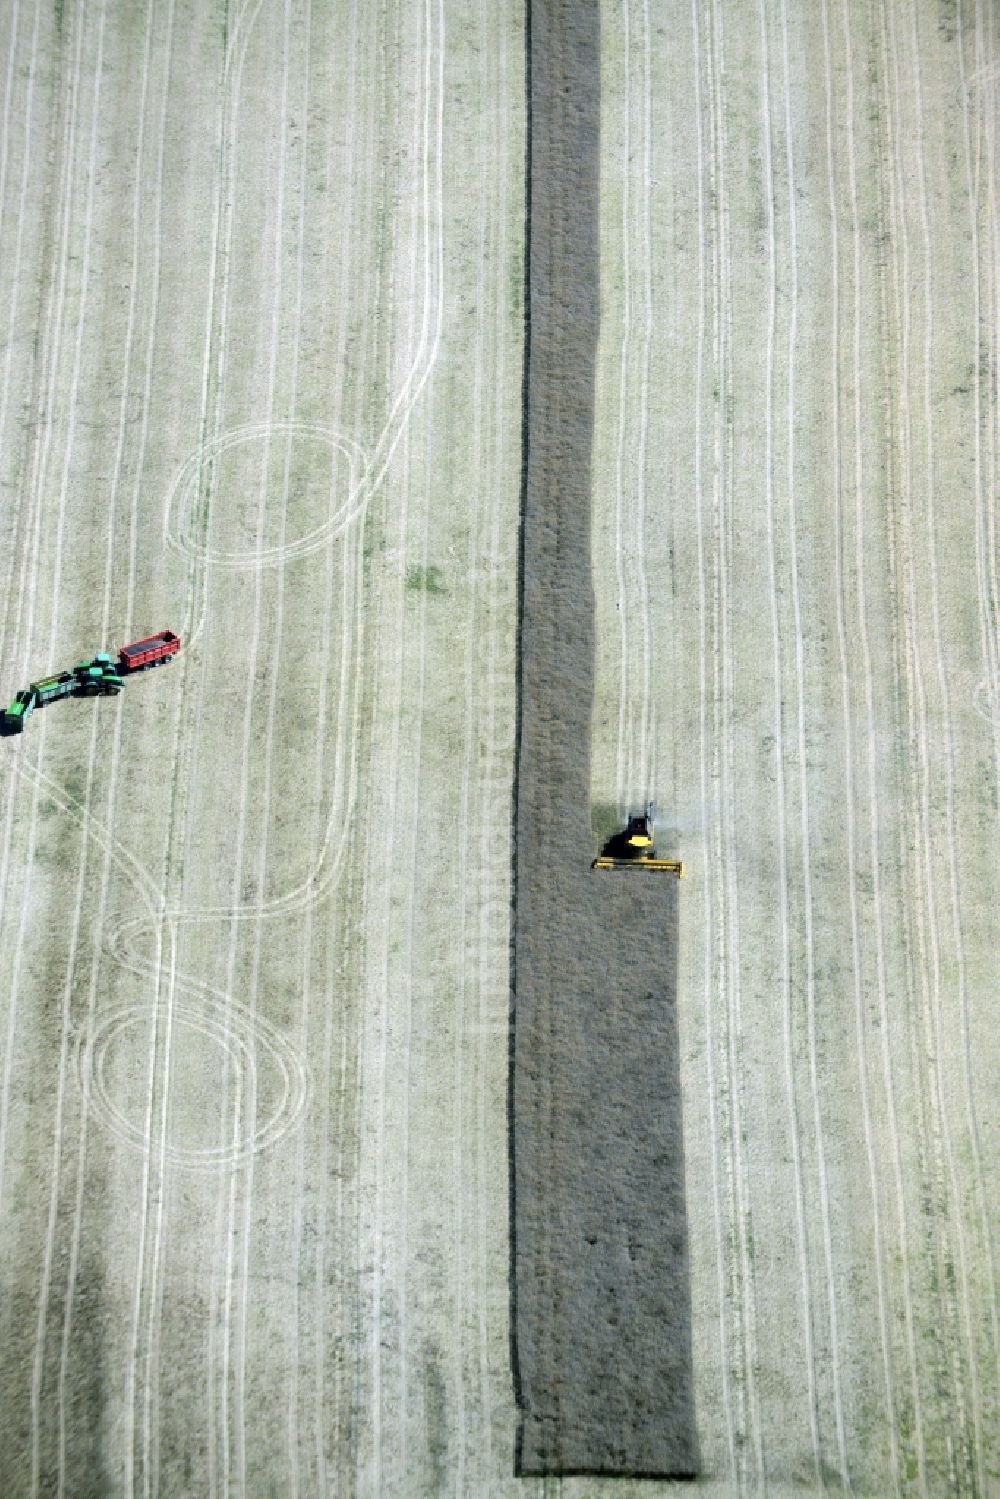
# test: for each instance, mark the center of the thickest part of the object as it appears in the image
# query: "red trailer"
(155, 650)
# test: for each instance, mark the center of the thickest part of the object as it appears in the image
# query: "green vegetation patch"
(427, 579)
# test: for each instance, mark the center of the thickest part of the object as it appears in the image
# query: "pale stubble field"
(261, 272)
(795, 477)
(261, 276)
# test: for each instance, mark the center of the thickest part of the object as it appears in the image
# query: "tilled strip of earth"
(601, 1300)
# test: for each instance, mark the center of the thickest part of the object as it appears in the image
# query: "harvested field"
(261, 283)
(794, 545)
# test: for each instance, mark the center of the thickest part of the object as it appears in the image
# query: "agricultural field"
(795, 479)
(261, 277)
(262, 297)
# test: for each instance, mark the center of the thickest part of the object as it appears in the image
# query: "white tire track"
(708, 796)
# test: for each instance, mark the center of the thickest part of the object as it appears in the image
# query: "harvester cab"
(639, 833)
(634, 848)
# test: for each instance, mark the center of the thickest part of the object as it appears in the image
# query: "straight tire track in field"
(838, 427)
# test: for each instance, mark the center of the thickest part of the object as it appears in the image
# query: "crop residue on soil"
(601, 1301)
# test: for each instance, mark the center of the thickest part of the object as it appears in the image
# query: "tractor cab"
(97, 676)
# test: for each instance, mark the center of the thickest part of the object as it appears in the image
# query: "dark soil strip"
(601, 1307)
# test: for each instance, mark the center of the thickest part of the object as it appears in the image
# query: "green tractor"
(97, 677)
